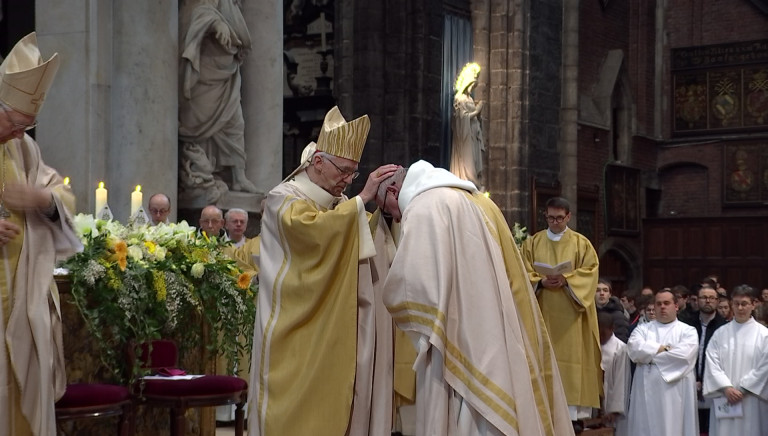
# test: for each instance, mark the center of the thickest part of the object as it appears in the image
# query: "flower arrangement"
(520, 234)
(135, 284)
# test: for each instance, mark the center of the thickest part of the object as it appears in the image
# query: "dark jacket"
(620, 321)
(717, 322)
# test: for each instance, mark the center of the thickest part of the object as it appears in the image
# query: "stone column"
(111, 114)
(569, 112)
(144, 134)
(262, 92)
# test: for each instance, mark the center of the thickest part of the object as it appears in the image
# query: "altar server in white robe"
(663, 396)
(737, 369)
(616, 375)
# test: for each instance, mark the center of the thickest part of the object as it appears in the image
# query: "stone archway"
(621, 264)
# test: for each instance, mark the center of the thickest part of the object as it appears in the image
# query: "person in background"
(35, 231)
(737, 369)
(159, 206)
(212, 222)
(610, 304)
(724, 308)
(706, 323)
(663, 395)
(568, 305)
(235, 223)
(616, 375)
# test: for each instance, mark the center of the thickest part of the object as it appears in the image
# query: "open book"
(549, 270)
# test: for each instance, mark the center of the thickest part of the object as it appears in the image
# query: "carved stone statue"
(214, 40)
(467, 145)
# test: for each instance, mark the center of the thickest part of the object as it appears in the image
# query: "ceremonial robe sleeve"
(617, 382)
(756, 380)
(641, 348)
(680, 359)
(715, 379)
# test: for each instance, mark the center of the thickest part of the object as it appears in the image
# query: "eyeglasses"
(742, 303)
(345, 173)
(555, 219)
(708, 298)
(154, 211)
(17, 126)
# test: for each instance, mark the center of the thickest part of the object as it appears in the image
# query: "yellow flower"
(158, 280)
(151, 246)
(244, 281)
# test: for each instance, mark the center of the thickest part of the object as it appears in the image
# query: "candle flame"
(101, 185)
(487, 194)
(66, 180)
(138, 188)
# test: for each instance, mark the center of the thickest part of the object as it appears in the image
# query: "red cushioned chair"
(86, 400)
(180, 395)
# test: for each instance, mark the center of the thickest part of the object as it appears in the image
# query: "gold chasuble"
(570, 313)
(31, 356)
(458, 287)
(314, 262)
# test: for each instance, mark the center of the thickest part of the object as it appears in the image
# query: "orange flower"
(121, 248)
(122, 262)
(244, 281)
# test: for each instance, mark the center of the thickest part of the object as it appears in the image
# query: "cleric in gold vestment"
(568, 306)
(458, 287)
(35, 230)
(312, 369)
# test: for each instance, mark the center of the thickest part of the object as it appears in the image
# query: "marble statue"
(213, 42)
(467, 145)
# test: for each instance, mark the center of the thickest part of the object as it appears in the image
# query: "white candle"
(322, 31)
(101, 197)
(136, 199)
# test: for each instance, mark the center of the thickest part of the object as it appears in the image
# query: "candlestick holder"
(105, 214)
(324, 82)
(139, 218)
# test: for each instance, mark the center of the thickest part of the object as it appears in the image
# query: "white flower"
(135, 252)
(160, 253)
(197, 270)
(85, 225)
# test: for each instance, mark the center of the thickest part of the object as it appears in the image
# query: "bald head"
(159, 208)
(211, 220)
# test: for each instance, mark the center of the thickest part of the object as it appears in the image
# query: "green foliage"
(135, 284)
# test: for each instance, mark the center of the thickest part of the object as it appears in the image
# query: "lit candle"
(322, 31)
(136, 200)
(66, 181)
(101, 197)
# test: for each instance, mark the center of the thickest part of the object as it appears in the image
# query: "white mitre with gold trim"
(341, 138)
(25, 77)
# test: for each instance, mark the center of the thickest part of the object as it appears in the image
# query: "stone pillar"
(569, 112)
(111, 114)
(144, 145)
(262, 92)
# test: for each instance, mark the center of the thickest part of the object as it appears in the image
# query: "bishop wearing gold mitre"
(35, 230)
(313, 354)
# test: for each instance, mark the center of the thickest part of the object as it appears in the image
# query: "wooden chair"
(180, 395)
(94, 400)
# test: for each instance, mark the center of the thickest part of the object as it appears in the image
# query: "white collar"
(312, 190)
(423, 176)
(555, 236)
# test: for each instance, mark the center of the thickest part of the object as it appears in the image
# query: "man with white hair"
(235, 222)
(35, 231)
(458, 287)
(312, 357)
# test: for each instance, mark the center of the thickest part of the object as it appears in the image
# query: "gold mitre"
(341, 138)
(26, 78)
